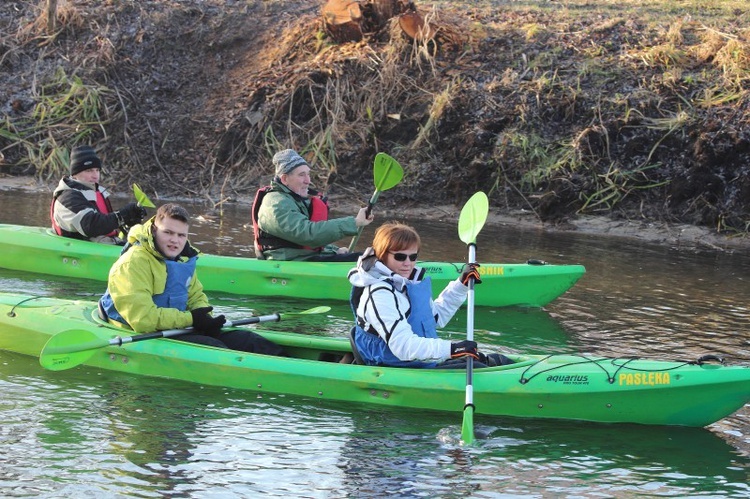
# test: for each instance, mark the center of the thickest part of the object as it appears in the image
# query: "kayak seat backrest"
(355, 352)
(101, 312)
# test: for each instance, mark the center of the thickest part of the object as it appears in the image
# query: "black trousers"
(493, 360)
(244, 341)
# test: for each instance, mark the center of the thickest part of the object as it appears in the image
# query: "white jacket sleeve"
(450, 300)
(385, 309)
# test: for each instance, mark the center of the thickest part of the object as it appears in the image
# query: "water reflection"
(149, 436)
(544, 457)
(13, 281)
(535, 458)
(397, 452)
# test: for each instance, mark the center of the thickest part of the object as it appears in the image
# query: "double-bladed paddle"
(73, 347)
(386, 173)
(470, 222)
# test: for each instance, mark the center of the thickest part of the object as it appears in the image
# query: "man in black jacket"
(81, 207)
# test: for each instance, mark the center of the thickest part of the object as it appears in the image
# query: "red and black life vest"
(265, 241)
(102, 205)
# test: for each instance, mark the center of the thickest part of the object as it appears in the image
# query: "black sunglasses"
(401, 257)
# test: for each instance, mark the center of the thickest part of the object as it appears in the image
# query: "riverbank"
(566, 110)
(678, 236)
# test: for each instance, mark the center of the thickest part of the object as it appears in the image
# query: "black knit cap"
(82, 158)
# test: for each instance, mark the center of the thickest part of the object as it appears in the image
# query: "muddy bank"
(678, 236)
(564, 110)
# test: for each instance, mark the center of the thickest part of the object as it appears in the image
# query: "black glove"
(204, 323)
(483, 358)
(463, 349)
(130, 215)
(470, 270)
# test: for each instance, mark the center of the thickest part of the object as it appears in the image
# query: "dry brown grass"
(68, 18)
(343, 94)
(562, 106)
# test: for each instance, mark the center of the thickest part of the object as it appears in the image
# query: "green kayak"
(39, 250)
(575, 387)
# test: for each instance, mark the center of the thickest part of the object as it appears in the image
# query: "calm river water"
(86, 432)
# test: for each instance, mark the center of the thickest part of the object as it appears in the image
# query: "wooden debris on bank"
(350, 21)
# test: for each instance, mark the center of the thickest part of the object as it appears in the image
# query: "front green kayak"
(575, 387)
(39, 250)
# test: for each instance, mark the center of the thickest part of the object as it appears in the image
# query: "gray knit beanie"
(82, 158)
(287, 160)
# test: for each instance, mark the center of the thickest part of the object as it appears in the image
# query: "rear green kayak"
(39, 250)
(575, 387)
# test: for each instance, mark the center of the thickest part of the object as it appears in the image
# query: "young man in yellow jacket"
(154, 286)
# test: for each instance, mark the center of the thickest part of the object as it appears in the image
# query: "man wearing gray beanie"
(81, 208)
(290, 220)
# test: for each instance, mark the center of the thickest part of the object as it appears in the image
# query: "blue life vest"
(375, 351)
(175, 293)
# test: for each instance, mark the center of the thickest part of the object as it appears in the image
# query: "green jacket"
(139, 274)
(286, 215)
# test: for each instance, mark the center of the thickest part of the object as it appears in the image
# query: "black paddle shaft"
(170, 333)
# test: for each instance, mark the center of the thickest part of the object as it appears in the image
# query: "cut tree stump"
(349, 21)
(342, 20)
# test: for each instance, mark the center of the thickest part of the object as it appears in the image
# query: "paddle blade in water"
(387, 172)
(467, 428)
(315, 310)
(70, 348)
(141, 197)
(472, 218)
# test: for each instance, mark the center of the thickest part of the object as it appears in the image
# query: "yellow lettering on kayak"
(491, 270)
(648, 379)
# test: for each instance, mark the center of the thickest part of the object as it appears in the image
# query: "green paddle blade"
(387, 172)
(472, 218)
(467, 428)
(141, 197)
(71, 347)
(315, 310)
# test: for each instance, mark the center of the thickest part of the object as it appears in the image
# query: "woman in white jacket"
(396, 317)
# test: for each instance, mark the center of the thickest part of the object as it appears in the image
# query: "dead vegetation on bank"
(640, 111)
